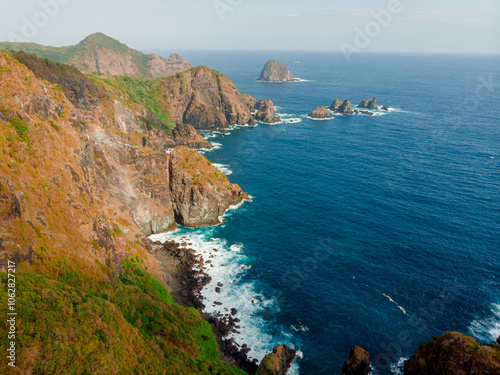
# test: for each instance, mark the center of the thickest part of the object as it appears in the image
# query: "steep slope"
(99, 53)
(77, 197)
(201, 97)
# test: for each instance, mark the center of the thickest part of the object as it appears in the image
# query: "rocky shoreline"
(186, 273)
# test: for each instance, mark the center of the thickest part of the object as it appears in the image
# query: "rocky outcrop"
(385, 108)
(99, 53)
(345, 108)
(321, 113)
(266, 112)
(205, 99)
(358, 362)
(186, 135)
(274, 71)
(454, 353)
(200, 192)
(336, 105)
(368, 104)
(278, 362)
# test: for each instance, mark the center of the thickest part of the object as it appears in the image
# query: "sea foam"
(487, 329)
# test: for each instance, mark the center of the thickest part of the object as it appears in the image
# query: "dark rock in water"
(217, 289)
(252, 122)
(368, 113)
(368, 104)
(266, 112)
(373, 104)
(278, 362)
(365, 103)
(385, 108)
(274, 71)
(336, 105)
(345, 108)
(498, 340)
(358, 362)
(321, 113)
(454, 353)
(234, 311)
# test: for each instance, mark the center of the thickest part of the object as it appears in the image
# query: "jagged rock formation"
(278, 362)
(345, 108)
(368, 104)
(266, 112)
(385, 108)
(358, 362)
(454, 353)
(205, 99)
(336, 105)
(274, 71)
(99, 53)
(321, 113)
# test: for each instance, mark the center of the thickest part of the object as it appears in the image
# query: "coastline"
(185, 270)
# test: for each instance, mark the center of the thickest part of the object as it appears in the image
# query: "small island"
(274, 71)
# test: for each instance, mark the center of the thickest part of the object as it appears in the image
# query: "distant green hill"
(98, 53)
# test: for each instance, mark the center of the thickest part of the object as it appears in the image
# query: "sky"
(448, 26)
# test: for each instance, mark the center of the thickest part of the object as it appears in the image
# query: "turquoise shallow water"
(373, 231)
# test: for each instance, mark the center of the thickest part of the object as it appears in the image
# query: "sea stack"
(321, 113)
(368, 104)
(358, 362)
(345, 108)
(266, 112)
(336, 105)
(274, 71)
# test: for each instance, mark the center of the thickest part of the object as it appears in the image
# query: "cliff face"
(99, 53)
(200, 192)
(205, 99)
(79, 190)
(274, 71)
(454, 353)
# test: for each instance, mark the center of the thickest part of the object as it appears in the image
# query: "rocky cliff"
(99, 53)
(454, 353)
(80, 188)
(205, 99)
(274, 71)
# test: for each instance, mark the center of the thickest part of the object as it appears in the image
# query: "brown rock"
(454, 353)
(187, 135)
(345, 108)
(358, 362)
(321, 113)
(266, 112)
(278, 362)
(274, 71)
(200, 192)
(205, 99)
(336, 104)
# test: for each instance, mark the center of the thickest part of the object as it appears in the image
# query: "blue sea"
(380, 231)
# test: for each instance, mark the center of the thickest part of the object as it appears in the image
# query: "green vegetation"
(129, 325)
(146, 92)
(56, 127)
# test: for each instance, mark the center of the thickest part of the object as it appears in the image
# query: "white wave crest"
(487, 329)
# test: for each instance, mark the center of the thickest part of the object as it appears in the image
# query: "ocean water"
(375, 231)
